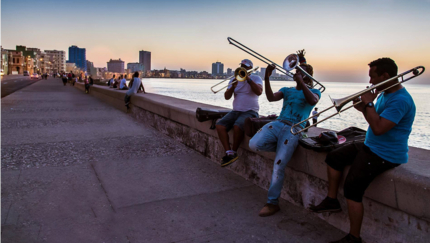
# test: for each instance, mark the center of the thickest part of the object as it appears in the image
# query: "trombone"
(291, 62)
(339, 103)
(240, 74)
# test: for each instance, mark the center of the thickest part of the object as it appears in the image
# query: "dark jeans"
(314, 121)
(127, 99)
(365, 167)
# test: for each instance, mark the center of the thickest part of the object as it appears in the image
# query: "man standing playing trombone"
(385, 147)
(245, 104)
(276, 136)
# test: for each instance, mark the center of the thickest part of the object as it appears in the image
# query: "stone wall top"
(406, 188)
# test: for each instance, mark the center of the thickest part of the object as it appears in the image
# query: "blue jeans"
(276, 137)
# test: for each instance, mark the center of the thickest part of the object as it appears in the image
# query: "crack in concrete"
(104, 190)
(93, 212)
(395, 193)
(19, 176)
(172, 198)
(200, 236)
(7, 215)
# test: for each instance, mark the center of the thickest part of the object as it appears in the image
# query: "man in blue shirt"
(385, 147)
(276, 136)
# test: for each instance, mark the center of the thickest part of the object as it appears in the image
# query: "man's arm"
(379, 124)
(310, 97)
(230, 91)
(269, 93)
(256, 88)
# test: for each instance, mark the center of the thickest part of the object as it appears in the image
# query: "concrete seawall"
(397, 203)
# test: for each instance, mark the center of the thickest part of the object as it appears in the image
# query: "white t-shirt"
(244, 98)
(314, 113)
(134, 87)
(123, 83)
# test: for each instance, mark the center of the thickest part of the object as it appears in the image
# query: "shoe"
(126, 104)
(348, 239)
(228, 159)
(327, 205)
(269, 210)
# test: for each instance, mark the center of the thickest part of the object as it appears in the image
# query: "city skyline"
(340, 38)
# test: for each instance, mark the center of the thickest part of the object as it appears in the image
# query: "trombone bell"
(291, 62)
(339, 103)
(240, 74)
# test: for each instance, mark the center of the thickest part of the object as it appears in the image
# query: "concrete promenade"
(75, 169)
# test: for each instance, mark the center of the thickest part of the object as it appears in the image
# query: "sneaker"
(126, 104)
(348, 239)
(327, 205)
(228, 159)
(269, 210)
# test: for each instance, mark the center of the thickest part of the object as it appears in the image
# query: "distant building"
(136, 67)
(58, 60)
(145, 59)
(4, 61)
(90, 65)
(28, 52)
(78, 56)
(115, 66)
(229, 72)
(217, 69)
(262, 72)
(16, 62)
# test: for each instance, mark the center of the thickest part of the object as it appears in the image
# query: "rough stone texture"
(380, 224)
(67, 177)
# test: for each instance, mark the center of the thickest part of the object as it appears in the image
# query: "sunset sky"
(340, 37)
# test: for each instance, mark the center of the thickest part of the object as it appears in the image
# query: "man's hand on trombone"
(365, 99)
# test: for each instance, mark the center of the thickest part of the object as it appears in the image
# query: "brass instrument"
(240, 75)
(340, 103)
(291, 62)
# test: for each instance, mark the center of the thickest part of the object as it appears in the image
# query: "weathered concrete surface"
(74, 169)
(396, 203)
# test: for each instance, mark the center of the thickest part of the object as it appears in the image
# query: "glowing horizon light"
(340, 37)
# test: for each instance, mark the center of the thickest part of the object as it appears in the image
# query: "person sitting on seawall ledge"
(110, 82)
(276, 136)
(135, 86)
(123, 83)
(245, 104)
(385, 147)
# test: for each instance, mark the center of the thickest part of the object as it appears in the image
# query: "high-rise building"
(115, 66)
(229, 72)
(145, 59)
(78, 56)
(217, 69)
(262, 72)
(58, 60)
(90, 65)
(136, 67)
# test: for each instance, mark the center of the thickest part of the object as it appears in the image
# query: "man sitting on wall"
(385, 147)
(136, 86)
(245, 104)
(276, 136)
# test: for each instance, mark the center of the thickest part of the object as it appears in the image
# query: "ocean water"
(199, 90)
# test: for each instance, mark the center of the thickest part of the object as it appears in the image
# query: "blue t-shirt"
(398, 107)
(295, 108)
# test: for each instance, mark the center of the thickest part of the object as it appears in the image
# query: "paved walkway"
(77, 170)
